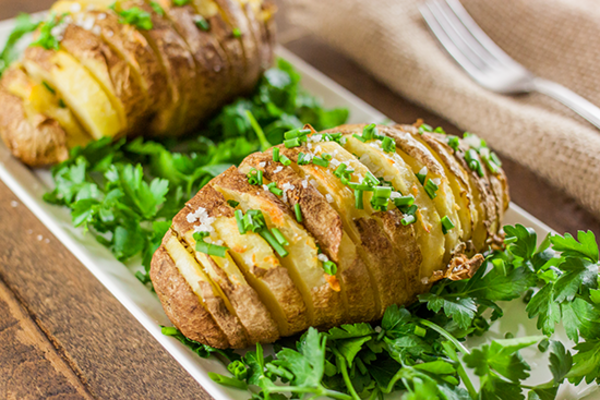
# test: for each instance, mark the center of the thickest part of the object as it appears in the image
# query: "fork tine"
(477, 33)
(447, 43)
(462, 33)
(442, 19)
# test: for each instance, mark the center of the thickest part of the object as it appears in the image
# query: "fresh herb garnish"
(419, 350)
(47, 37)
(137, 17)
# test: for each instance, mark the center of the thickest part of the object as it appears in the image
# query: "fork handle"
(570, 99)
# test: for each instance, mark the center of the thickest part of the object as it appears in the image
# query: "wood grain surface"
(63, 335)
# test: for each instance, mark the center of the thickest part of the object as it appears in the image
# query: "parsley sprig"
(421, 350)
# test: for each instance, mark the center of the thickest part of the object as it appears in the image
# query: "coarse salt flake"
(262, 164)
(323, 258)
(329, 198)
(278, 169)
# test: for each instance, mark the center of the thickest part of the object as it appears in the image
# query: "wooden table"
(64, 336)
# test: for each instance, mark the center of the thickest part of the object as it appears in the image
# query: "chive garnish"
(358, 199)
(268, 236)
(233, 203)
(239, 218)
(447, 224)
(404, 201)
(422, 174)
(284, 160)
(279, 236)
(289, 143)
(274, 189)
(208, 248)
(431, 188)
(298, 212)
(320, 162)
(330, 267)
(407, 220)
(276, 154)
(388, 145)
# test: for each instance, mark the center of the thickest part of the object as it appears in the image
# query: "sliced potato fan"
(135, 67)
(330, 228)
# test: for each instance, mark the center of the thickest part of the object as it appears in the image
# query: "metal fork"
(487, 64)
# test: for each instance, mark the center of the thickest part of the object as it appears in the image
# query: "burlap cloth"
(556, 39)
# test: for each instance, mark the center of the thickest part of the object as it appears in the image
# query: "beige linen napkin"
(556, 39)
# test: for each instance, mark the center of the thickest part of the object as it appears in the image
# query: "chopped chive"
(431, 188)
(422, 174)
(326, 156)
(447, 224)
(474, 164)
(289, 143)
(47, 86)
(339, 171)
(494, 157)
(211, 249)
(404, 201)
(268, 236)
(330, 267)
(382, 191)
(233, 203)
(360, 186)
(407, 220)
(320, 162)
(274, 189)
(388, 145)
(201, 23)
(439, 129)
(298, 212)
(296, 133)
(419, 331)
(284, 160)
(359, 137)
(303, 159)
(453, 142)
(61, 103)
(276, 154)
(358, 199)
(237, 33)
(208, 248)
(239, 218)
(371, 179)
(425, 128)
(412, 210)
(279, 236)
(252, 176)
(369, 132)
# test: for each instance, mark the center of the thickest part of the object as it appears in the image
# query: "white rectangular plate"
(30, 185)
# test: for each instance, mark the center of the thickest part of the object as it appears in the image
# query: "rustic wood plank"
(30, 367)
(111, 353)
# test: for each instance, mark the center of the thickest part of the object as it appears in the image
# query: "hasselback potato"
(135, 67)
(328, 228)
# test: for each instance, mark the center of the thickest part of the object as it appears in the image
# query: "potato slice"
(233, 10)
(36, 139)
(428, 230)
(417, 156)
(216, 302)
(79, 90)
(302, 262)
(378, 255)
(486, 231)
(213, 72)
(185, 308)
(109, 69)
(223, 31)
(458, 178)
(325, 304)
(42, 99)
(223, 271)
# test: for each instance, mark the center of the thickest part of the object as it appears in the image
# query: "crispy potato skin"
(38, 141)
(252, 313)
(181, 304)
(379, 258)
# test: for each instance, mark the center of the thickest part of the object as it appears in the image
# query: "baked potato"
(326, 229)
(135, 67)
